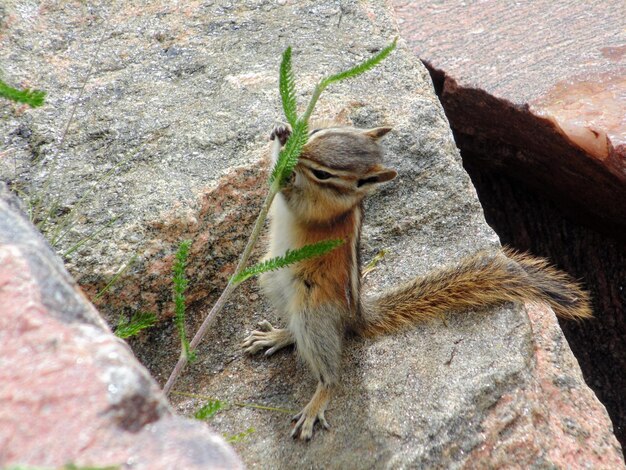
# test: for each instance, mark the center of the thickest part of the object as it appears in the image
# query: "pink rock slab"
(552, 421)
(546, 77)
(70, 391)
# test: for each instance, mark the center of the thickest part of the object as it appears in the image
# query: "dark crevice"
(437, 76)
(529, 217)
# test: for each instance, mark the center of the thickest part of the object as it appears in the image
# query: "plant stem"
(115, 278)
(230, 287)
(239, 404)
(319, 88)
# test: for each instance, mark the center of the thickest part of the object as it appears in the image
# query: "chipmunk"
(320, 298)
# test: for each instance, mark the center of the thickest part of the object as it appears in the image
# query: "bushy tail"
(485, 279)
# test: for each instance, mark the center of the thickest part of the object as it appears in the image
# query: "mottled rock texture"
(70, 391)
(178, 106)
(524, 424)
(535, 93)
(545, 78)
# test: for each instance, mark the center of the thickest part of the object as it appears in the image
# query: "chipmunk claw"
(282, 132)
(305, 422)
(312, 413)
(264, 325)
(267, 337)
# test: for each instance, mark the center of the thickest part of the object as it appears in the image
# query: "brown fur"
(486, 279)
(325, 282)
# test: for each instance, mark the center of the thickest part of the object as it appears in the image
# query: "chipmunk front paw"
(282, 133)
(267, 337)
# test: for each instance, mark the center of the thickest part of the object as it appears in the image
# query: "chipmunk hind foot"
(312, 413)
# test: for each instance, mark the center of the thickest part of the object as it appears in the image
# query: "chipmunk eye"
(321, 175)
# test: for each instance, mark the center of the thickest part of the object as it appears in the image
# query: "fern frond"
(287, 87)
(360, 68)
(140, 321)
(290, 257)
(179, 280)
(209, 410)
(353, 72)
(33, 98)
(289, 154)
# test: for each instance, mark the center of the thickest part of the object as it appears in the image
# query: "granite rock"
(540, 88)
(535, 93)
(70, 391)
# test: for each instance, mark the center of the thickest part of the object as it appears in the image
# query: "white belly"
(278, 286)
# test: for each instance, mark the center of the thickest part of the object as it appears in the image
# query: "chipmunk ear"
(377, 176)
(377, 132)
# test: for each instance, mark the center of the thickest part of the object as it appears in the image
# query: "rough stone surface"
(70, 391)
(524, 424)
(535, 93)
(546, 78)
(182, 98)
(529, 222)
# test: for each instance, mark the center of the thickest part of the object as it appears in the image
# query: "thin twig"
(65, 224)
(84, 240)
(116, 277)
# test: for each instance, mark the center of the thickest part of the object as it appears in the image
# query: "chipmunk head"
(338, 167)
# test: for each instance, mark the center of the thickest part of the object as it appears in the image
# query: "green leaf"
(353, 72)
(362, 67)
(290, 257)
(180, 282)
(287, 87)
(208, 411)
(140, 321)
(186, 351)
(288, 157)
(33, 98)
